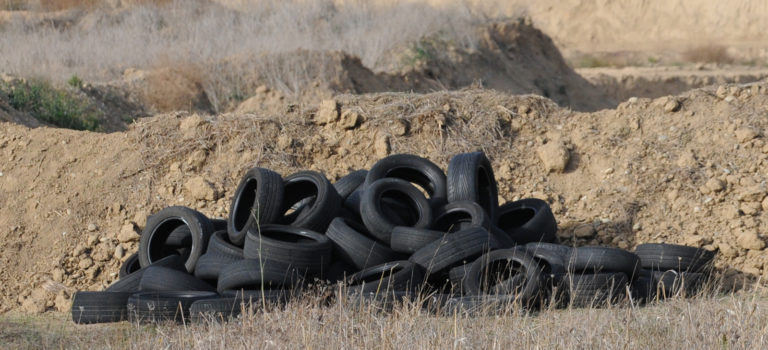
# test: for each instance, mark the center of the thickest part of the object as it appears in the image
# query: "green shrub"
(47, 104)
(75, 82)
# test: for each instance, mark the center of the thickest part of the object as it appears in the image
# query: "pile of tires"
(403, 229)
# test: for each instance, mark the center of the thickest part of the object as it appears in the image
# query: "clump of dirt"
(679, 169)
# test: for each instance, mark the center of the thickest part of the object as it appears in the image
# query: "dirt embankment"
(684, 169)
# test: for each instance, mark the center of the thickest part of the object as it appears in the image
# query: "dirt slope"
(686, 169)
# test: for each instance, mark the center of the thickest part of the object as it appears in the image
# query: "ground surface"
(623, 154)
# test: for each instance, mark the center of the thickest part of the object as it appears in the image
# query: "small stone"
(400, 127)
(584, 231)
(729, 99)
(696, 241)
(85, 263)
(140, 218)
(745, 134)
(92, 227)
(350, 119)
(748, 239)
(92, 239)
(554, 156)
(196, 160)
(722, 91)
(119, 252)
(750, 208)
(672, 105)
(57, 275)
(727, 250)
(328, 112)
(715, 185)
(62, 303)
(751, 271)
(382, 146)
(754, 193)
(201, 189)
(632, 99)
(764, 203)
(127, 233)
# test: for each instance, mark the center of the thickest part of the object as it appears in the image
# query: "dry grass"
(259, 36)
(708, 54)
(737, 321)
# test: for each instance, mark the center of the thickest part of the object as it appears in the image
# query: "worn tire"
(452, 250)
(413, 169)
(528, 220)
(99, 307)
(604, 259)
(408, 239)
(163, 306)
(470, 177)
(251, 274)
(390, 276)
(161, 224)
(260, 192)
(521, 275)
(130, 283)
(375, 217)
(455, 216)
(301, 248)
(349, 183)
(354, 247)
(595, 290)
(157, 279)
(220, 253)
(316, 214)
(662, 257)
(129, 266)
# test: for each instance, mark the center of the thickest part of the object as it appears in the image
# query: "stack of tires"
(403, 229)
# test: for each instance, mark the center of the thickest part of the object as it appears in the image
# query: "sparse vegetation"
(50, 105)
(708, 54)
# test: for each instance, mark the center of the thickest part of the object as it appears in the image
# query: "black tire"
(550, 261)
(130, 283)
(158, 279)
(219, 224)
(99, 307)
(354, 247)
(352, 202)
(662, 257)
(453, 216)
(220, 253)
(595, 290)
(374, 215)
(470, 177)
(642, 289)
(221, 309)
(164, 306)
(391, 276)
(408, 239)
(129, 266)
(413, 169)
(160, 225)
(671, 283)
(180, 237)
(349, 183)
(258, 200)
(480, 305)
(301, 248)
(260, 297)
(528, 220)
(602, 260)
(251, 274)
(452, 250)
(563, 251)
(508, 272)
(457, 275)
(318, 213)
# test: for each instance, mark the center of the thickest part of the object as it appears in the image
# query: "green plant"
(52, 106)
(75, 81)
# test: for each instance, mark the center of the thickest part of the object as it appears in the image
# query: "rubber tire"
(255, 274)
(391, 276)
(159, 227)
(163, 306)
(129, 266)
(354, 247)
(220, 309)
(563, 251)
(301, 248)
(604, 259)
(408, 239)
(413, 169)
(528, 220)
(480, 305)
(158, 279)
(457, 275)
(315, 215)
(99, 307)
(594, 290)
(454, 249)
(662, 257)
(266, 197)
(375, 217)
(449, 217)
(220, 253)
(531, 273)
(130, 283)
(671, 283)
(470, 177)
(350, 183)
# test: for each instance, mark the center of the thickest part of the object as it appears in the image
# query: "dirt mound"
(648, 171)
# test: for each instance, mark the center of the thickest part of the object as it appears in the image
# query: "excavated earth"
(687, 169)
